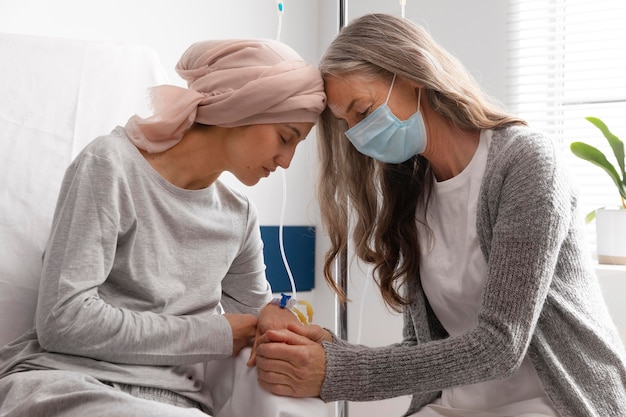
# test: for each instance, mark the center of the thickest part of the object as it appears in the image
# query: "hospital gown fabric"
(106, 314)
(232, 384)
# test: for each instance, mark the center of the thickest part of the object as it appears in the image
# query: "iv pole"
(341, 269)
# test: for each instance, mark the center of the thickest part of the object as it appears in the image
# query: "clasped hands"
(289, 357)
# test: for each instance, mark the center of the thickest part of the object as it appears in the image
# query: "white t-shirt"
(453, 270)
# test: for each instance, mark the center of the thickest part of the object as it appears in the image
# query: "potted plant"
(610, 222)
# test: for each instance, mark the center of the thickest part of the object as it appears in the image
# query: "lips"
(268, 171)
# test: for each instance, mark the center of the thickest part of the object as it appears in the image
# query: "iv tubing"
(280, 8)
(280, 235)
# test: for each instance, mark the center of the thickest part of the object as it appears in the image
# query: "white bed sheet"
(235, 392)
(56, 95)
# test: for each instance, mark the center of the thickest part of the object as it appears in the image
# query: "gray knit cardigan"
(541, 297)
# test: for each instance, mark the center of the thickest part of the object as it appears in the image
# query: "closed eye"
(362, 115)
(293, 134)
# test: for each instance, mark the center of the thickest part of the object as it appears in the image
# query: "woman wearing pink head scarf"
(154, 267)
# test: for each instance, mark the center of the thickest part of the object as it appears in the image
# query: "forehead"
(297, 129)
(342, 91)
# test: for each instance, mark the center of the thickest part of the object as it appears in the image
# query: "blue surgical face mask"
(382, 136)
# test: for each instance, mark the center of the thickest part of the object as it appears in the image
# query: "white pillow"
(57, 95)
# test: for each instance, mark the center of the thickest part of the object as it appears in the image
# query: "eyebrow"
(295, 130)
(350, 106)
(348, 109)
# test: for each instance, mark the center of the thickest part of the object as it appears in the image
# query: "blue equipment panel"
(299, 246)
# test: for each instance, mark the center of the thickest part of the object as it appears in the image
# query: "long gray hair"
(380, 199)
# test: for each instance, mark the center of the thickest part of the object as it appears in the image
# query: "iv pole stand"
(341, 269)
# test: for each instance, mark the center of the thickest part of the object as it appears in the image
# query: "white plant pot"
(611, 236)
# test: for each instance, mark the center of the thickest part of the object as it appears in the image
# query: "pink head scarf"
(231, 83)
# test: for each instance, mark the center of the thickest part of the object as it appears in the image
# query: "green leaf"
(593, 155)
(590, 216)
(616, 144)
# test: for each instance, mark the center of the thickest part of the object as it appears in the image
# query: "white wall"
(167, 27)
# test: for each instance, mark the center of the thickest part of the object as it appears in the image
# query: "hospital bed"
(56, 95)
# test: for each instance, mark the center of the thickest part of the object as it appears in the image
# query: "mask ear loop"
(393, 80)
(419, 96)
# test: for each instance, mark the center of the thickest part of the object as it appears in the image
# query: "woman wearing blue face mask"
(384, 137)
(471, 224)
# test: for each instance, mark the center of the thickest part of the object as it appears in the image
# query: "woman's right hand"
(292, 362)
(244, 330)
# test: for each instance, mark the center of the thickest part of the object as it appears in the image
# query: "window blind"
(567, 61)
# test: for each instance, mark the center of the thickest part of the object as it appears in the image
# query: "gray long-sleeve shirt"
(137, 271)
(541, 296)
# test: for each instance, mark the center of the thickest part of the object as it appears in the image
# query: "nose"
(283, 159)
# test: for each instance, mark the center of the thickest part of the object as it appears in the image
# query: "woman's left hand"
(290, 362)
(271, 317)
